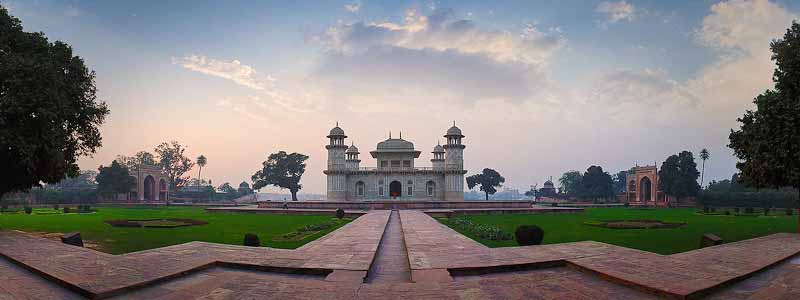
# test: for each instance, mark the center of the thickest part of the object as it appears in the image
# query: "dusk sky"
(538, 87)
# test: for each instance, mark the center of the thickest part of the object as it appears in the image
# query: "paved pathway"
(442, 263)
(391, 261)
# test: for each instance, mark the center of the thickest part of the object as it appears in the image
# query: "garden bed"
(306, 231)
(635, 224)
(155, 223)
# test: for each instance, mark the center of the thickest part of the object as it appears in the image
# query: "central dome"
(395, 144)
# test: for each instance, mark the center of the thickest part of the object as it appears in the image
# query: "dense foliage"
(784, 198)
(114, 180)
(678, 176)
(527, 235)
(282, 170)
(596, 184)
(488, 179)
(251, 240)
(174, 162)
(768, 142)
(49, 112)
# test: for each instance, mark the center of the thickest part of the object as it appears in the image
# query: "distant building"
(642, 188)
(548, 190)
(395, 175)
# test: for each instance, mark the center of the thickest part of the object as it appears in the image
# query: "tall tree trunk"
(294, 195)
(487, 195)
(703, 174)
(199, 180)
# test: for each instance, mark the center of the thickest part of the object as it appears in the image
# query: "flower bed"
(306, 231)
(483, 231)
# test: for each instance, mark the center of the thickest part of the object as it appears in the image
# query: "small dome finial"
(401, 135)
(390, 134)
(337, 123)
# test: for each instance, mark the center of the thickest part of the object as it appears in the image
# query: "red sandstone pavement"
(443, 265)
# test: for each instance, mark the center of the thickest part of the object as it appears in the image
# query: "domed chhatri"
(395, 176)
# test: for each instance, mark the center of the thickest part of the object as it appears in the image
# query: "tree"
(533, 192)
(281, 170)
(174, 163)
(114, 180)
(620, 181)
(570, 183)
(678, 176)
(596, 184)
(489, 180)
(226, 188)
(201, 162)
(49, 112)
(140, 158)
(85, 179)
(768, 141)
(704, 155)
(244, 188)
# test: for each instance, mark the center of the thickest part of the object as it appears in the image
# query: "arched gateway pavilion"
(152, 185)
(396, 175)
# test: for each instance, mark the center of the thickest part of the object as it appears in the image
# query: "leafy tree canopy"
(678, 176)
(768, 141)
(140, 158)
(489, 180)
(596, 184)
(49, 112)
(114, 180)
(173, 161)
(570, 183)
(226, 188)
(281, 170)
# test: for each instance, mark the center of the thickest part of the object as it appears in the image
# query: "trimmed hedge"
(528, 235)
(763, 198)
(339, 213)
(251, 240)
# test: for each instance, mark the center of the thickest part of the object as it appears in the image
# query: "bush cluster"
(483, 231)
(28, 210)
(339, 213)
(763, 198)
(251, 240)
(528, 235)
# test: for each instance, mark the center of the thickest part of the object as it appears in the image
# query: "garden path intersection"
(402, 254)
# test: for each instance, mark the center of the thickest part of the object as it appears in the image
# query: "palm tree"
(704, 155)
(201, 161)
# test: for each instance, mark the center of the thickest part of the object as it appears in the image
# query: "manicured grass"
(226, 228)
(561, 228)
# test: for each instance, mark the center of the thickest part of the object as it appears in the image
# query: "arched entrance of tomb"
(645, 190)
(395, 189)
(149, 188)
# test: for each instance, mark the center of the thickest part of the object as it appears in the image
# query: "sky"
(538, 87)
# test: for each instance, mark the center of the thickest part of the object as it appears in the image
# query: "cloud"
(616, 11)
(744, 25)
(651, 88)
(353, 7)
(451, 57)
(233, 70)
(441, 32)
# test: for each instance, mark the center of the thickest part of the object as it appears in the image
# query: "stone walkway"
(391, 261)
(399, 255)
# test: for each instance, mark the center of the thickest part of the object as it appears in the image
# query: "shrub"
(736, 210)
(55, 206)
(748, 210)
(727, 213)
(705, 209)
(766, 211)
(339, 213)
(28, 210)
(789, 211)
(529, 235)
(251, 240)
(627, 204)
(66, 209)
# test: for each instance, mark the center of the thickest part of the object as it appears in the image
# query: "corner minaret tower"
(438, 157)
(337, 165)
(352, 157)
(454, 165)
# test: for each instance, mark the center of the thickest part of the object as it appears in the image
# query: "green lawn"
(561, 228)
(226, 228)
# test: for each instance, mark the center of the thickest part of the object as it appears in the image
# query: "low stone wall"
(394, 204)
